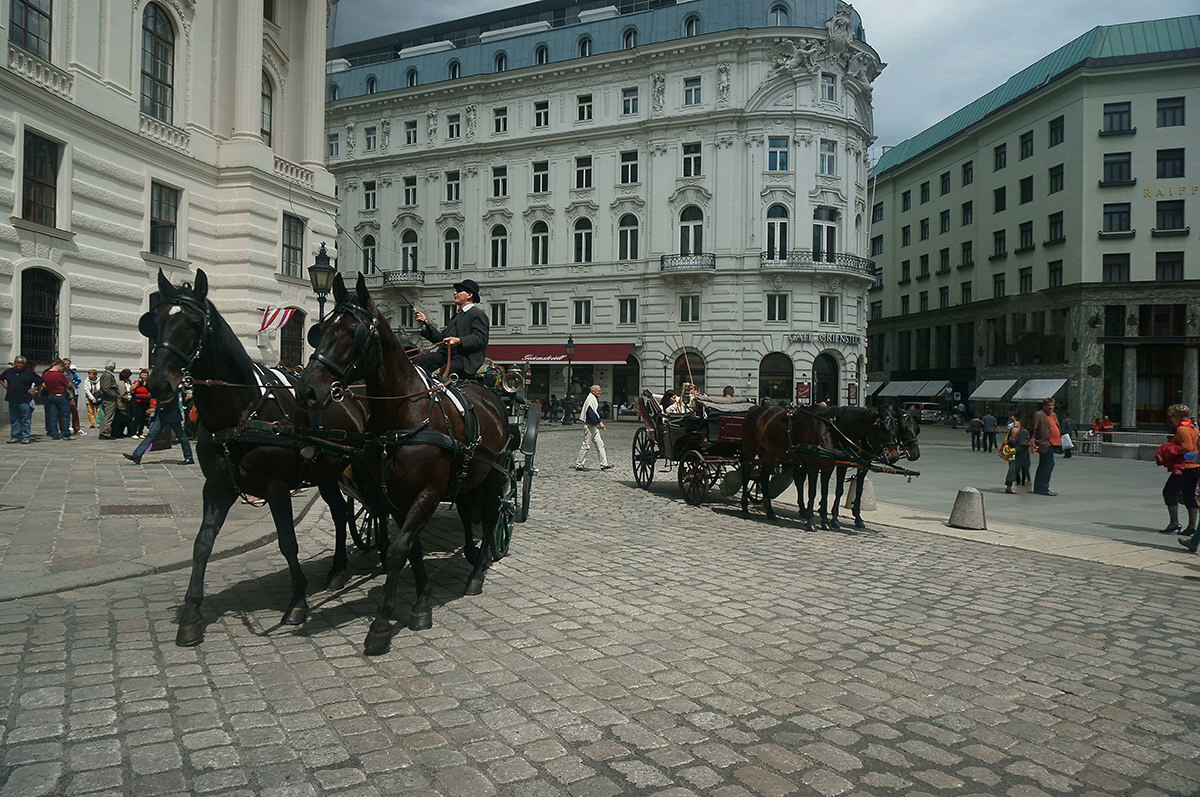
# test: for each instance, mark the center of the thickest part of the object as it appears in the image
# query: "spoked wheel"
(693, 478)
(645, 454)
(501, 535)
(527, 474)
(367, 529)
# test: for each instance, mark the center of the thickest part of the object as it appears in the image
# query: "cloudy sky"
(941, 54)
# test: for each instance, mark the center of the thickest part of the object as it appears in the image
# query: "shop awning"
(934, 387)
(992, 389)
(553, 353)
(871, 388)
(1038, 389)
(898, 388)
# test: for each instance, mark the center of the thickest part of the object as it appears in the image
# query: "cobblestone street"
(629, 645)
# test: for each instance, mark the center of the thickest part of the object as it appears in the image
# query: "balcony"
(821, 262)
(675, 264)
(400, 279)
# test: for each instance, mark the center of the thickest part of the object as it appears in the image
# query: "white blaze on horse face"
(174, 309)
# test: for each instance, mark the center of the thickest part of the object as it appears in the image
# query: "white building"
(679, 188)
(146, 135)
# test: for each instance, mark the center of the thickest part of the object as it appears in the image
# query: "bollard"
(868, 497)
(968, 510)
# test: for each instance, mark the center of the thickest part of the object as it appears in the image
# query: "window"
(943, 262)
(30, 26)
(583, 108)
(585, 47)
(1056, 133)
(964, 293)
(1026, 145)
(408, 250)
(691, 160)
(410, 190)
(877, 213)
(292, 245)
(1025, 280)
(335, 92)
(629, 39)
(541, 55)
(828, 87)
(269, 10)
(451, 250)
(266, 110)
(1168, 266)
(691, 231)
(158, 60)
(629, 100)
(499, 181)
(999, 243)
(39, 185)
(627, 237)
(583, 172)
(924, 224)
(1054, 273)
(968, 213)
(629, 167)
(777, 232)
(967, 253)
(453, 125)
(944, 296)
(691, 91)
(777, 153)
(999, 157)
(454, 71)
(691, 26)
(627, 310)
(997, 286)
(500, 120)
(500, 62)
(541, 177)
(368, 254)
(944, 221)
(372, 85)
(924, 192)
(332, 149)
(583, 311)
(1056, 178)
(999, 199)
(1170, 163)
(541, 113)
(829, 309)
(411, 78)
(583, 241)
(876, 310)
(498, 246)
(1169, 215)
(1118, 118)
(778, 16)
(923, 301)
(827, 160)
(923, 269)
(905, 235)
(537, 314)
(905, 201)
(164, 212)
(1116, 268)
(368, 195)
(410, 132)
(877, 245)
(689, 309)
(1025, 188)
(944, 181)
(1117, 168)
(1054, 226)
(539, 244)
(777, 306)
(448, 311)
(1117, 217)
(904, 305)
(1170, 112)
(499, 314)
(905, 271)
(453, 187)
(968, 172)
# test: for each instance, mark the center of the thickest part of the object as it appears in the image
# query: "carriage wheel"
(693, 477)
(367, 529)
(645, 454)
(501, 535)
(527, 474)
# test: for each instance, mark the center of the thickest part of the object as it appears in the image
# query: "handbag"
(1007, 452)
(1066, 442)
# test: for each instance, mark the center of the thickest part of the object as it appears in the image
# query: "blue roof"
(1159, 39)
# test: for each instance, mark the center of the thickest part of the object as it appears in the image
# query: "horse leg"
(745, 469)
(339, 511)
(216, 507)
(839, 490)
(285, 531)
(764, 483)
(379, 637)
(860, 479)
(814, 478)
(470, 549)
(473, 519)
(422, 610)
(488, 501)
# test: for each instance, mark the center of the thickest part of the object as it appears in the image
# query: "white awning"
(992, 389)
(898, 388)
(873, 387)
(930, 389)
(1038, 389)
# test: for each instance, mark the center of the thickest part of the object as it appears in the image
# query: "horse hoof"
(336, 582)
(189, 635)
(474, 587)
(295, 616)
(858, 524)
(378, 642)
(421, 622)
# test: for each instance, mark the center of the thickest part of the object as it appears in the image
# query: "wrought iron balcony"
(704, 261)
(399, 279)
(805, 260)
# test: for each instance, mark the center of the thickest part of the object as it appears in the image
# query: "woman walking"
(1181, 458)
(1016, 447)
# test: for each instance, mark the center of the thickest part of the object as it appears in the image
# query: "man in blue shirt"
(20, 382)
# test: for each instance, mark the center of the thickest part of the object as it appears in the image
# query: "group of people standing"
(59, 387)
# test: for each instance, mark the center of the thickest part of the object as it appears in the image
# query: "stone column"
(1129, 388)
(246, 115)
(312, 81)
(1191, 377)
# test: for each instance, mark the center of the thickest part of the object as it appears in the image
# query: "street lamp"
(321, 275)
(569, 348)
(666, 384)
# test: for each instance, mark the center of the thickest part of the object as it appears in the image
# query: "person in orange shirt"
(1046, 440)
(1183, 473)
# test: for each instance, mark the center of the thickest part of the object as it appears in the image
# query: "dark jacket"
(472, 327)
(1043, 432)
(19, 383)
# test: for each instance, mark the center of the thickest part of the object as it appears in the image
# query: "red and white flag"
(274, 318)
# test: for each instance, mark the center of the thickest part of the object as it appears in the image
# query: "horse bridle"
(183, 301)
(365, 334)
(895, 426)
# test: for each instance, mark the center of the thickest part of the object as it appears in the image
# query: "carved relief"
(658, 94)
(472, 117)
(724, 141)
(797, 57)
(840, 29)
(349, 138)
(723, 85)
(431, 118)
(385, 134)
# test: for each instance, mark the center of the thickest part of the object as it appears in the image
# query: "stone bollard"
(968, 510)
(868, 496)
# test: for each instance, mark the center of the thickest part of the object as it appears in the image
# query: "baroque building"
(170, 134)
(678, 188)
(1043, 232)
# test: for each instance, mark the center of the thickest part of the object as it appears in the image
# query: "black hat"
(470, 286)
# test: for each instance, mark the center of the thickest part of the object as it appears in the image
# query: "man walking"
(1046, 438)
(593, 425)
(989, 431)
(108, 399)
(19, 382)
(168, 416)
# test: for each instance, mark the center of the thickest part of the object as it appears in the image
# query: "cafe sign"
(825, 337)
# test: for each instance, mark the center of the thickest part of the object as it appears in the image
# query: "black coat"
(472, 328)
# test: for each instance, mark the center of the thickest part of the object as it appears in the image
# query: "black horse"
(242, 406)
(421, 448)
(772, 438)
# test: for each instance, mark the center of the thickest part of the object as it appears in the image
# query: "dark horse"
(190, 335)
(774, 437)
(420, 448)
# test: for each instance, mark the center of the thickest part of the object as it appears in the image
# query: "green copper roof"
(1158, 39)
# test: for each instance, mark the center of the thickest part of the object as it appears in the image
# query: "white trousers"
(591, 434)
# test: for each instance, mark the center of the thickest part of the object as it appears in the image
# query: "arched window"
(629, 39)
(291, 339)
(689, 367)
(455, 71)
(158, 63)
(691, 26)
(691, 231)
(266, 109)
(775, 377)
(585, 46)
(778, 16)
(335, 92)
(451, 250)
(541, 55)
(39, 315)
(825, 379)
(824, 237)
(499, 246)
(368, 254)
(411, 78)
(372, 85)
(500, 62)
(583, 241)
(627, 237)
(408, 250)
(539, 244)
(777, 232)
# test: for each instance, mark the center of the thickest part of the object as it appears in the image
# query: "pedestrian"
(168, 417)
(20, 382)
(1106, 428)
(975, 427)
(1181, 457)
(139, 404)
(57, 387)
(1046, 439)
(589, 414)
(76, 382)
(555, 409)
(1016, 450)
(989, 431)
(121, 424)
(90, 390)
(109, 392)
(1070, 432)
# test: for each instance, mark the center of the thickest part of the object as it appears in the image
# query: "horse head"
(883, 437)
(179, 328)
(345, 345)
(906, 427)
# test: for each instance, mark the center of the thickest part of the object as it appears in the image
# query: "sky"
(940, 54)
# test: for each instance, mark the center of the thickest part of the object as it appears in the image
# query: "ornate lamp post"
(321, 275)
(569, 348)
(666, 384)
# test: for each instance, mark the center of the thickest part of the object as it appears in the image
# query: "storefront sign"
(804, 393)
(852, 394)
(824, 337)
(1173, 190)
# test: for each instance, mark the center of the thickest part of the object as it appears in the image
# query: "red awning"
(553, 353)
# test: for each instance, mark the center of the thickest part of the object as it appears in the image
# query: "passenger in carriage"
(464, 339)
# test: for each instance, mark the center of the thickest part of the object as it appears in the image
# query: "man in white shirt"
(593, 424)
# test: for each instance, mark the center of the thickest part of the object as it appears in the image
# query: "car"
(926, 411)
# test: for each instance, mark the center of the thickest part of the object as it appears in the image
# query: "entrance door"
(689, 367)
(626, 379)
(775, 378)
(825, 380)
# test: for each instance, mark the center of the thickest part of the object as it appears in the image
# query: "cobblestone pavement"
(630, 644)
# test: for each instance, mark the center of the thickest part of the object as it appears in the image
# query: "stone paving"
(630, 644)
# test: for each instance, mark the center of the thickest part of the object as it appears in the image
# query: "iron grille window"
(39, 314)
(291, 339)
(293, 245)
(39, 201)
(164, 213)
